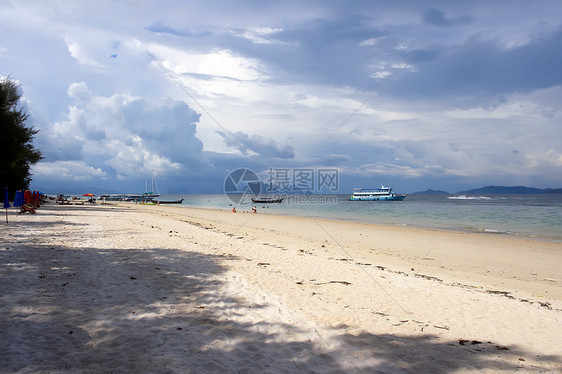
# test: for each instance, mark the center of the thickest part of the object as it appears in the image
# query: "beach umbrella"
(18, 200)
(6, 202)
(88, 194)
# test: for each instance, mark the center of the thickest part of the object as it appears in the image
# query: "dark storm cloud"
(483, 68)
(437, 17)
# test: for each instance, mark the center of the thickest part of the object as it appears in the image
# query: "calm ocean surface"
(537, 216)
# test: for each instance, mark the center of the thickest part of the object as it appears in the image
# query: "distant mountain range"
(432, 192)
(517, 190)
(520, 190)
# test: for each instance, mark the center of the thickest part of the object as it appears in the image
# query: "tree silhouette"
(17, 152)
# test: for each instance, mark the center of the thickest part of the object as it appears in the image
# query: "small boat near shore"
(111, 197)
(168, 201)
(268, 200)
(375, 194)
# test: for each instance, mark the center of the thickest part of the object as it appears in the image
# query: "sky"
(410, 94)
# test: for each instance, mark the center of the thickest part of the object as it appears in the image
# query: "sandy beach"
(129, 288)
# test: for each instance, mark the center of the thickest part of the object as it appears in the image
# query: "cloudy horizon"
(414, 95)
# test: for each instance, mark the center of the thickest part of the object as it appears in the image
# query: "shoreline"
(519, 232)
(499, 264)
(470, 230)
(128, 287)
(443, 228)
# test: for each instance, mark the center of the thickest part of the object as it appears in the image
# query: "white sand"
(126, 288)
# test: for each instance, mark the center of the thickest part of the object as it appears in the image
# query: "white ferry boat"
(375, 194)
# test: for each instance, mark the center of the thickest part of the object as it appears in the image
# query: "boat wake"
(464, 197)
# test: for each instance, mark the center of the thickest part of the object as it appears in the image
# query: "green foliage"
(17, 153)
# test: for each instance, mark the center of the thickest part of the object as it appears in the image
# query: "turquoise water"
(522, 215)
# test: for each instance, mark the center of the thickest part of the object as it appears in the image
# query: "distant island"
(517, 190)
(431, 192)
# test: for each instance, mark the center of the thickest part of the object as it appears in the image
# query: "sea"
(531, 216)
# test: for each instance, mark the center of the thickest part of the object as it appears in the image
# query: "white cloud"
(257, 145)
(515, 139)
(387, 169)
(81, 55)
(216, 63)
(124, 135)
(368, 42)
(549, 159)
(135, 159)
(259, 35)
(61, 171)
(79, 91)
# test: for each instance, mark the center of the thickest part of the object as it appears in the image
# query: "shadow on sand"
(162, 310)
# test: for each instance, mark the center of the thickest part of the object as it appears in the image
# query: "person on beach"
(233, 209)
(254, 210)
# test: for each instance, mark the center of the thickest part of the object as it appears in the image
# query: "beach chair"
(27, 208)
